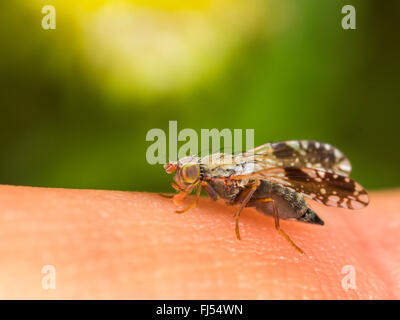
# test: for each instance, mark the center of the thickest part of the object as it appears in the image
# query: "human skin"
(130, 245)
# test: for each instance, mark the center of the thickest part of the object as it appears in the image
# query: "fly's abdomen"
(289, 204)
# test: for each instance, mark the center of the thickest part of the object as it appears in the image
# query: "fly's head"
(187, 176)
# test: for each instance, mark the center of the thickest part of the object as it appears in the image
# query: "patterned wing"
(300, 154)
(327, 188)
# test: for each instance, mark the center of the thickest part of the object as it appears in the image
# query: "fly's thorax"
(222, 165)
(216, 160)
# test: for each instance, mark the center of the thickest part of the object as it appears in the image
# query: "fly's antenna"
(170, 167)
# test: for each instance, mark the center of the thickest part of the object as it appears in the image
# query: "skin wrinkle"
(112, 244)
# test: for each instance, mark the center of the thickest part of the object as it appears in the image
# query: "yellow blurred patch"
(150, 48)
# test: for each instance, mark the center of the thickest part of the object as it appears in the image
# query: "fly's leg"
(195, 202)
(210, 191)
(169, 196)
(277, 225)
(178, 198)
(248, 193)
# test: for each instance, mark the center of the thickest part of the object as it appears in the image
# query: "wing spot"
(334, 198)
(364, 198)
(293, 144)
(311, 173)
(345, 166)
(359, 187)
(357, 205)
(304, 144)
(344, 205)
(337, 153)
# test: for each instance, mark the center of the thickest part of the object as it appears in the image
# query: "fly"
(274, 178)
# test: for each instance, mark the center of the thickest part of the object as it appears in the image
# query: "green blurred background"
(77, 102)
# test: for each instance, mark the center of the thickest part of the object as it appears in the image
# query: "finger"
(108, 244)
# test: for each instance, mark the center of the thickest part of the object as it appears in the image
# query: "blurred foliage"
(77, 102)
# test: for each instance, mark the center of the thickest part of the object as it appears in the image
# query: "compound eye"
(190, 173)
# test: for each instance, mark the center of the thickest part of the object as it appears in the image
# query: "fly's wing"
(300, 154)
(324, 187)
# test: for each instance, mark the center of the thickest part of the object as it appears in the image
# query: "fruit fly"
(274, 178)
